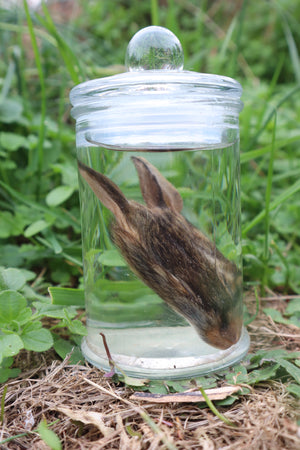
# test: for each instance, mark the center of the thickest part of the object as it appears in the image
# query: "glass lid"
(154, 55)
(155, 99)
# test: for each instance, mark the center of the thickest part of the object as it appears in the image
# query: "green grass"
(39, 210)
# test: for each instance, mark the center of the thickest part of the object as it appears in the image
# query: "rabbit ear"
(108, 192)
(156, 190)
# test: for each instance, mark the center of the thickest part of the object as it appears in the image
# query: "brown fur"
(171, 256)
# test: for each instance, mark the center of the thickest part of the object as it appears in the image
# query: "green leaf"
(67, 296)
(59, 195)
(11, 304)
(36, 338)
(263, 374)
(63, 348)
(68, 171)
(158, 387)
(10, 255)
(293, 370)
(227, 401)
(207, 382)
(48, 436)
(238, 374)
(272, 355)
(28, 274)
(10, 225)
(36, 227)
(293, 307)
(135, 382)
(276, 316)
(7, 362)
(6, 219)
(24, 316)
(76, 327)
(178, 386)
(54, 311)
(112, 258)
(294, 389)
(6, 373)
(12, 279)
(10, 110)
(10, 345)
(12, 141)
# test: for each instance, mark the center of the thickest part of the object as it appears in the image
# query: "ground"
(90, 411)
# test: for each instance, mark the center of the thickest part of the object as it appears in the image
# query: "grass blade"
(7, 80)
(292, 48)
(171, 21)
(277, 202)
(253, 154)
(271, 114)
(3, 404)
(154, 12)
(267, 202)
(240, 23)
(15, 28)
(66, 296)
(70, 59)
(214, 409)
(40, 150)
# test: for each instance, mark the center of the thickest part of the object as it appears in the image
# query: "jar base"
(187, 359)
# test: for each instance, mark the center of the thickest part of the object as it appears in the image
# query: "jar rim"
(140, 81)
(158, 109)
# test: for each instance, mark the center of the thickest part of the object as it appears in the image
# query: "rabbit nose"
(225, 337)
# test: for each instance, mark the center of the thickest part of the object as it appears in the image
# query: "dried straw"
(91, 412)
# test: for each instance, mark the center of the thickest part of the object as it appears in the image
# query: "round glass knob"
(154, 48)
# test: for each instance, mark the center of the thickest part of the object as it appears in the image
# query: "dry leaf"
(29, 421)
(183, 397)
(88, 417)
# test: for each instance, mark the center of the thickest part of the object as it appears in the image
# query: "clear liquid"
(146, 336)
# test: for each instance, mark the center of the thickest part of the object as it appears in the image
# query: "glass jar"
(158, 158)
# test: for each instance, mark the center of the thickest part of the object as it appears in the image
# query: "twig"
(112, 364)
(40, 275)
(109, 357)
(280, 297)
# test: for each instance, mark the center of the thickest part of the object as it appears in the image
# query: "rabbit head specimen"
(171, 256)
